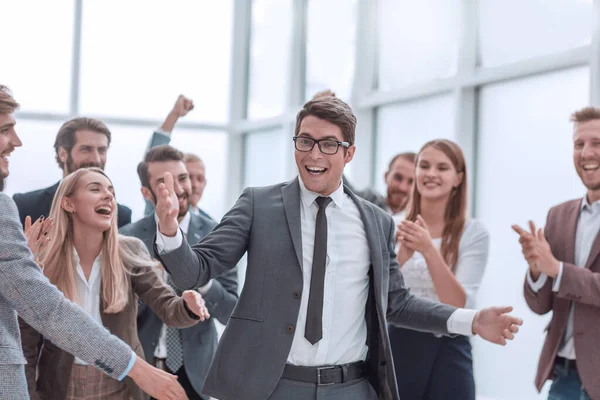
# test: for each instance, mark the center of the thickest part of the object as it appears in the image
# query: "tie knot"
(323, 202)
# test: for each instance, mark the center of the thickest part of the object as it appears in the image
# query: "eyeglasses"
(327, 146)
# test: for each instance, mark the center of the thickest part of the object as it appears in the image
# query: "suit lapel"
(194, 233)
(291, 204)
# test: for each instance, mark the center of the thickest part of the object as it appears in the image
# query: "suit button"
(290, 329)
(296, 295)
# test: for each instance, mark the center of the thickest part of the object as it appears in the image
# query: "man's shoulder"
(6, 203)
(136, 227)
(566, 206)
(32, 196)
(124, 210)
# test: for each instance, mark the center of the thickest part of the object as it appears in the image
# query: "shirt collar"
(308, 197)
(184, 224)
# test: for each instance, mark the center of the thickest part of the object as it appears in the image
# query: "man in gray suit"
(26, 291)
(322, 281)
(190, 351)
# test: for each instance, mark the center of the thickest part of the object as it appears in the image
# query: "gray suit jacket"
(265, 222)
(26, 291)
(199, 341)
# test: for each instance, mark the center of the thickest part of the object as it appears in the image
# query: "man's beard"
(2, 179)
(72, 167)
(400, 204)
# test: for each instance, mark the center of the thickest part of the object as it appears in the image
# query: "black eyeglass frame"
(318, 142)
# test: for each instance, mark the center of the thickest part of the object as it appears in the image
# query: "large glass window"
(408, 126)
(37, 53)
(418, 40)
(513, 30)
(34, 165)
(269, 57)
(524, 167)
(265, 158)
(135, 64)
(330, 46)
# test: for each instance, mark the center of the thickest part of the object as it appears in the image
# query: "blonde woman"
(105, 274)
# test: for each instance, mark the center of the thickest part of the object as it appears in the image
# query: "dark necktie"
(314, 325)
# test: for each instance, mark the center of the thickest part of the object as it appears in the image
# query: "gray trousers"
(358, 389)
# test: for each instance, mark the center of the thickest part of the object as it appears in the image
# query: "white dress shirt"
(346, 284)
(161, 346)
(472, 259)
(588, 226)
(88, 291)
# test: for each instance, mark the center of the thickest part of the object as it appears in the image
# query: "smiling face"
(399, 180)
(92, 203)
(181, 182)
(322, 173)
(8, 142)
(436, 175)
(586, 154)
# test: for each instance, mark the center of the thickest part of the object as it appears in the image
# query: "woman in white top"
(442, 255)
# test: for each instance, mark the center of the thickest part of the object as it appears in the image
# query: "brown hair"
(333, 110)
(585, 114)
(157, 154)
(408, 156)
(8, 105)
(65, 137)
(456, 208)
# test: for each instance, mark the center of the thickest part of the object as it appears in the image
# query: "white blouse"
(472, 258)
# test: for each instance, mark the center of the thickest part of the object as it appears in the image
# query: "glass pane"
(330, 46)
(265, 157)
(37, 154)
(407, 127)
(270, 44)
(37, 53)
(524, 167)
(177, 47)
(418, 41)
(211, 147)
(537, 28)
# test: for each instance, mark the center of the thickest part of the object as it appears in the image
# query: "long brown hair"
(118, 256)
(456, 207)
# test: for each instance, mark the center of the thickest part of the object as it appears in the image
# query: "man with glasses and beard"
(80, 143)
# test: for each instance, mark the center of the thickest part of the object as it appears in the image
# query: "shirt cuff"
(204, 289)
(128, 369)
(166, 244)
(558, 278)
(461, 322)
(161, 132)
(536, 285)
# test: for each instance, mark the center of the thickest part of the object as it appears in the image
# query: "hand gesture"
(415, 234)
(537, 251)
(38, 237)
(405, 251)
(167, 206)
(196, 304)
(495, 325)
(183, 106)
(158, 384)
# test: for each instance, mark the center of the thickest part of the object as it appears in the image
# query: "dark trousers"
(183, 380)
(358, 389)
(431, 368)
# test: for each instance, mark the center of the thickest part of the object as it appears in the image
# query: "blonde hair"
(120, 255)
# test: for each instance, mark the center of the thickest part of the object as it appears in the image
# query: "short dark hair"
(157, 154)
(8, 105)
(408, 156)
(331, 109)
(65, 137)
